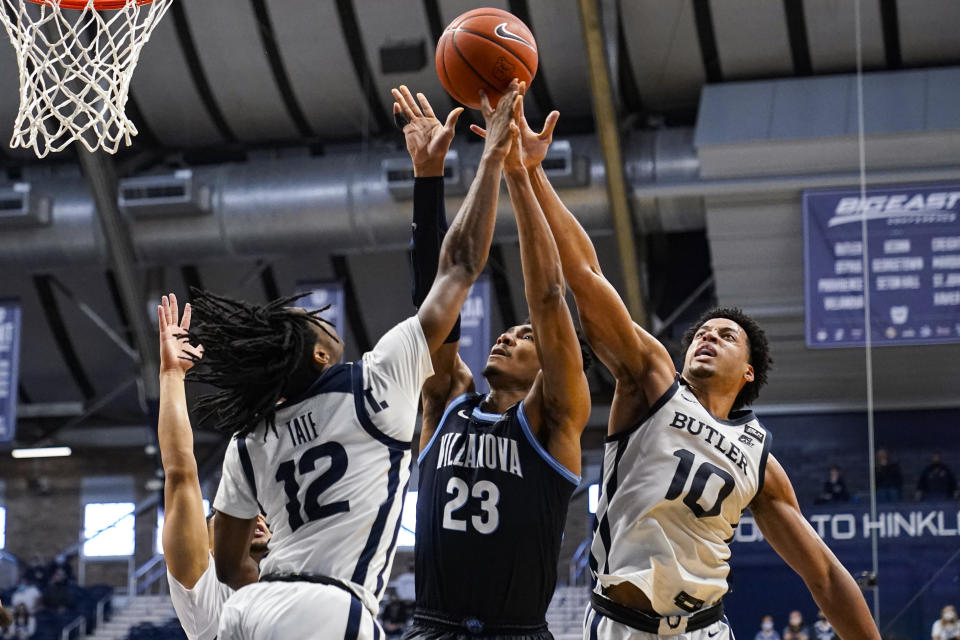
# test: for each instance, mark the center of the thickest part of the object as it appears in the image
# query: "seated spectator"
(823, 630)
(834, 489)
(888, 479)
(24, 624)
(27, 594)
(36, 572)
(404, 585)
(767, 632)
(936, 482)
(396, 615)
(6, 617)
(947, 627)
(60, 563)
(796, 630)
(58, 595)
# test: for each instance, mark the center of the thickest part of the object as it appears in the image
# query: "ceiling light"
(41, 452)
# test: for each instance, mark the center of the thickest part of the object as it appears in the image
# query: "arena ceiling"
(229, 80)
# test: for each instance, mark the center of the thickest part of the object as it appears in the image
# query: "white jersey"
(198, 609)
(332, 475)
(674, 487)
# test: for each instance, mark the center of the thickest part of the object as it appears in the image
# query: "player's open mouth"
(259, 532)
(499, 351)
(705, 350)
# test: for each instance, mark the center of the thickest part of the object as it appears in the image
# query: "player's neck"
(499, 400)
(719, 402)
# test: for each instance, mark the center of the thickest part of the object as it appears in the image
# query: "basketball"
(485, 49)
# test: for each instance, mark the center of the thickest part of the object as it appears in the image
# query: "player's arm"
(185, 541)
(467, 243)
(235, 521)
(231, 542)
(631, 354)
(559, 404)
(778, 515)
(639, 362)
(427, 142)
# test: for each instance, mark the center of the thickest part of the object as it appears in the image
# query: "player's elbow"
(229, 573)
(547, 297)
(180, 475)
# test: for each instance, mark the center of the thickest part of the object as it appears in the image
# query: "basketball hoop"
(76, 59)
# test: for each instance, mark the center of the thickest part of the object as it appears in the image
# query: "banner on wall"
(9, 368)
(905, 523)
(475, 330)
(913, 257)
(321, 294)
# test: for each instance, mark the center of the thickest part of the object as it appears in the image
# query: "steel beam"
(102, 179)
(605, 116)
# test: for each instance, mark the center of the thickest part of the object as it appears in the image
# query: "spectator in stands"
(58, 595)
(822, 629)
(796, 630)
(888, 478)
(767, 632)
(834, 489)
(36, 572)
(6, 617)
(937, 482)
(395, 616)
(24, 624)
(27, 594)
(405, 585)
(947, 627)
(60, 563)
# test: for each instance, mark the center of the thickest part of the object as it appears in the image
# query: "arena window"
(408, 522)
(158, 535)
(108, 529)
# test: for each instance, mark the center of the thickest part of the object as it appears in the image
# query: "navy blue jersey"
(490, 516)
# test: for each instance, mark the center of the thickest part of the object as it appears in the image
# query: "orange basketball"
(485, 49)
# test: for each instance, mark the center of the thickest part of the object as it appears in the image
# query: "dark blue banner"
(322, 294)
(9, 368)
(913, 265)
(475, 331)
(918, 567)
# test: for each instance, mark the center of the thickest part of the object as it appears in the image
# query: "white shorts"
(597, 626)
(296, 611)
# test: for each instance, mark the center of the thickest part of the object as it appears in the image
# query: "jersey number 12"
(287, 474)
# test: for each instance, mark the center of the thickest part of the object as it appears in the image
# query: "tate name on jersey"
(302, 429)
(697, 428)
(479, 451)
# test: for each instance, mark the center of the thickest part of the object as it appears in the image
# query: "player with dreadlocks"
(683, 459)
(323, 448)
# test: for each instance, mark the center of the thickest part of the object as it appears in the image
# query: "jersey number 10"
(704, 471)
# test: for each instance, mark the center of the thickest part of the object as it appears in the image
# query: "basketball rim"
(99, 5)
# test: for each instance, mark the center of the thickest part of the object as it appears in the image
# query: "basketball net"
(75, 68)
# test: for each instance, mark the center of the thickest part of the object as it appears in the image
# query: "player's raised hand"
(515, 160)
(427, 139)
(176, 354)
(535, 143)
(498, 121)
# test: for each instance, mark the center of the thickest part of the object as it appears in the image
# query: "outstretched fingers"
(548, 125)
(411, 103)
(401, 102)
(452, 118)
(425, 104)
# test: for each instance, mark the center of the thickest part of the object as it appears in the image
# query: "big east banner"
(913, 265)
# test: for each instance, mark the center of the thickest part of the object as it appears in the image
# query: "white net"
(75, 69)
